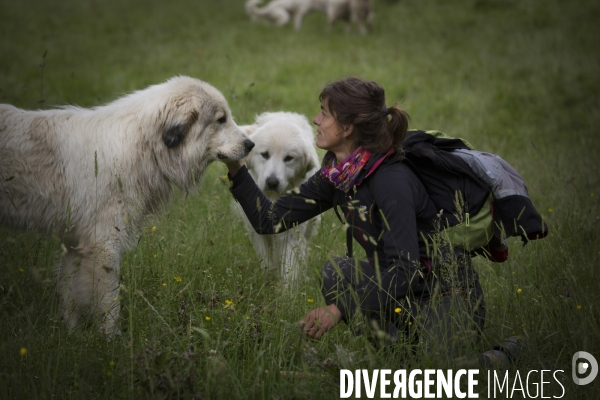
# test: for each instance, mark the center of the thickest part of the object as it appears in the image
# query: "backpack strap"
(378, 163)
(349, 242)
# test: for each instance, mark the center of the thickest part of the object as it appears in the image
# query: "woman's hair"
(355, 101)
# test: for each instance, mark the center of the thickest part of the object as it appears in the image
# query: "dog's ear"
(173, 135)
(311, 165)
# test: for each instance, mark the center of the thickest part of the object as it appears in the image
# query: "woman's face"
(329, 133)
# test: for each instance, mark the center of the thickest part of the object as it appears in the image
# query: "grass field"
(200, 319)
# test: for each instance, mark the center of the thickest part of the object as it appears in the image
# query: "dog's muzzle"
(248, 145)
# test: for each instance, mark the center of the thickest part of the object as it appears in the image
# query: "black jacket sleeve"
(298, 205)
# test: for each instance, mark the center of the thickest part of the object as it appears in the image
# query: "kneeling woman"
(400, 283)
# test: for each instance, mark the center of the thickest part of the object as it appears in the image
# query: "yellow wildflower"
(154, 228)
(23, 351)
(519, 291)
(207, 318)
(164, 285)
(310, 300)
(579, 306)
(398, 310)
(228, 302)
(177, 279)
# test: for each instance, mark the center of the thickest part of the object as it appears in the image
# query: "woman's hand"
(320, 320)
(233, 167)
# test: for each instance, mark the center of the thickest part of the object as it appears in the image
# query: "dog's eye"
(222, 120)
(265, 155)
(288, 158)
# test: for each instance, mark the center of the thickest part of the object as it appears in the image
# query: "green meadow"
(200, 319)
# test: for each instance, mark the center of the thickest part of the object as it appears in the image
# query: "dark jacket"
(388, 211)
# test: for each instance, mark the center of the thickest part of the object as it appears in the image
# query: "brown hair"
(355, 101)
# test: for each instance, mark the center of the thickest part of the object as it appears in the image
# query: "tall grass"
(200, 318)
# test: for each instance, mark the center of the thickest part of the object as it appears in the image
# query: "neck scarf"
(343, 175)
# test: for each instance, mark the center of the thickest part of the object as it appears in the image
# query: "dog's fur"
(283, 158)
(280, 12)
(91, 175)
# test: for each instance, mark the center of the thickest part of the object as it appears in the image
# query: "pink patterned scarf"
(343, 175)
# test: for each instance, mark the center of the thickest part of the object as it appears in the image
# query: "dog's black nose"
(272, 183)
(249, 144)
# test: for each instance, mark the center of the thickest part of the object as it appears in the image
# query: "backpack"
(481, 199)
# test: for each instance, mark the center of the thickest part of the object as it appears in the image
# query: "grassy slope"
(515, 78)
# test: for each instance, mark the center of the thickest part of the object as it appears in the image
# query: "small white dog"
(91, 175)
(280, 12)
(284, 157)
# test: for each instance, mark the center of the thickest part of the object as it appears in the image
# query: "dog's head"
(284, 155)
(195, 128)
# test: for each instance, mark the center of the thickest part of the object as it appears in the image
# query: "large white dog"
(283, 158)
(280, 12)
(90, 176)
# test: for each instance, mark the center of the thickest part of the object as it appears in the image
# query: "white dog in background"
(280, 12)
(91, 175)
(284, 157)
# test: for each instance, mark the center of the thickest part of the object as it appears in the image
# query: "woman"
(399, 288)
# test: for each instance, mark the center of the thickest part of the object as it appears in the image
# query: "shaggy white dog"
(283, 158)
(91, 175)
(280, 12)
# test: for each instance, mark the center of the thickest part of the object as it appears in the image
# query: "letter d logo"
(582, 367)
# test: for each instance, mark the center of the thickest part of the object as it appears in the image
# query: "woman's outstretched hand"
(233, 167)
(320, 320)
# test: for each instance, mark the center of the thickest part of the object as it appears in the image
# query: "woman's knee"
(336, 266)
(330, 273)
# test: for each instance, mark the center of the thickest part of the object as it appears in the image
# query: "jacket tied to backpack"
(482, 200)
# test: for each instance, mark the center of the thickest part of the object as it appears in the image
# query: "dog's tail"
(277, 15)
